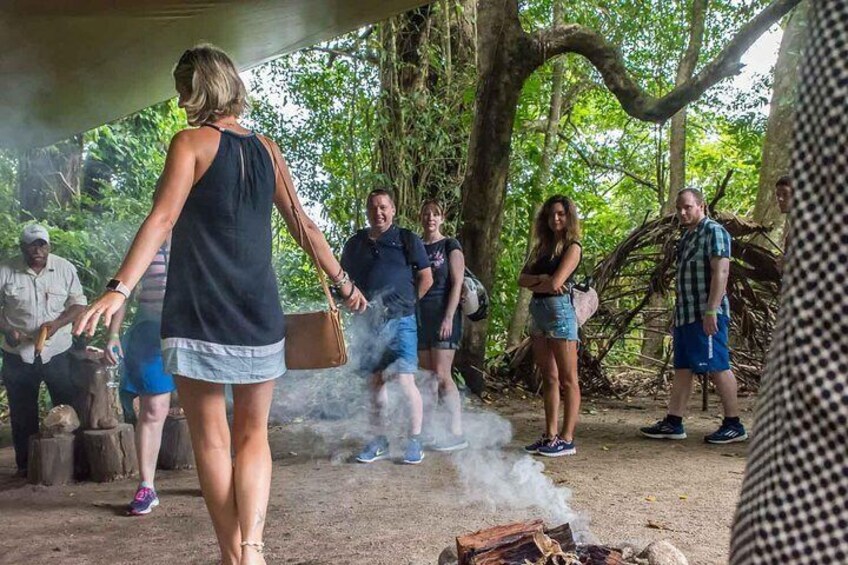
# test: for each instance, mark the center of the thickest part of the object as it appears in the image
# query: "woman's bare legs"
(442, 364)
(251, 405)
(565, 353)
(206, 412)
(148, 432)
(429, 390)
(545, 361)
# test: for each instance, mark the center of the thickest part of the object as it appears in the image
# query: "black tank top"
(221, 285)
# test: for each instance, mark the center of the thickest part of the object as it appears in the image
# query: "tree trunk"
(521, 314)
(49, 175)
(413, 154)
(503, 52)
(777, 145)
(659, 306)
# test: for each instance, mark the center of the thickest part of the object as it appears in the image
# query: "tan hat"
(34, 232)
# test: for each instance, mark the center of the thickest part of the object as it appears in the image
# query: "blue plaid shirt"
(694, 251)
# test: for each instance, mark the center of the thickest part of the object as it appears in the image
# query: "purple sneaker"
(557, 448)
(145, 500)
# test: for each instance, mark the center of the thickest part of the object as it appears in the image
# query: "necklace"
(231, 125)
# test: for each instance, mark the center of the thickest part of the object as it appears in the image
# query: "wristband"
(114, 335)
(712, 312)
(115, 285)
(352, 290)
(342, 281)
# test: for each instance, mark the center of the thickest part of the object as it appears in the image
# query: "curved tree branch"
(573, 38)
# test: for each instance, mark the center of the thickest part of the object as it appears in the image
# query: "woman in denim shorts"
(440, 326)
(548, 273)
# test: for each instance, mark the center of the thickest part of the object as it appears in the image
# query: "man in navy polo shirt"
(391, 268)
(701, 319)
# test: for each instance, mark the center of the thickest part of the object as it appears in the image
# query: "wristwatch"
(115, 285)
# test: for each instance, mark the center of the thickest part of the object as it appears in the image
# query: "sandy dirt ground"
(325, 509)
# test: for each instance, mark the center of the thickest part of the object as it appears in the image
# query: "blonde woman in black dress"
(221, 320)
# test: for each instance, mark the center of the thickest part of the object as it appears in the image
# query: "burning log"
(521, 543)
(495, 540)
(530, 543)
(599, 555)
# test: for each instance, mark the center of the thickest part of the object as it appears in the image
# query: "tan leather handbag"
(314, 340)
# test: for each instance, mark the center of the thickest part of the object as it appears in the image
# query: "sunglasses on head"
(186, 57)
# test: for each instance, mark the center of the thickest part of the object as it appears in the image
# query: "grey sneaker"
(414, 452)
(451, 443)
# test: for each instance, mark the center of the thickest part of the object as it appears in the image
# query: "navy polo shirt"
(381, 271)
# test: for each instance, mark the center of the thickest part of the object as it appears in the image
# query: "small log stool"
(110, 453)
(96, 404)
(51, 459)
(176, 451)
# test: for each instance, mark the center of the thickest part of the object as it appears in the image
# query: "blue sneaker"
(144, 501)
(557, 447)
(534, 447)
(414, 452)
(377, 448)
(727, 433)
(451, 443)
(664, 430)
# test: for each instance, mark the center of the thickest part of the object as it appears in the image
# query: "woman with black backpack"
(549, 273)
(440, 325)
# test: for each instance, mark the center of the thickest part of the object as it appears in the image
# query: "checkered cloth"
(694, 251)
(793, 507)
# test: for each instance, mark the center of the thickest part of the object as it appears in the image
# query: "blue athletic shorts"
(388, 346)
(143, 371)
(700, 353)
(553, 317)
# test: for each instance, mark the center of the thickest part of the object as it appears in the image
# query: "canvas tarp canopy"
(69, 66)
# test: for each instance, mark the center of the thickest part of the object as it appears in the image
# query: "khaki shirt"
(28, 300)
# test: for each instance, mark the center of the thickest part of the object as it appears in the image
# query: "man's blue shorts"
(143, 371)
(388, 346)
(700, 353)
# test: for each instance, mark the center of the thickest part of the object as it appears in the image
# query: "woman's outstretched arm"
(173, 189)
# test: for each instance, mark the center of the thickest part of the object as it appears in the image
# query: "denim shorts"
(387, 346)
(553, 317)
(700, 353)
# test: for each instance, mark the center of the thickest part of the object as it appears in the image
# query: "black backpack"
(475, 298)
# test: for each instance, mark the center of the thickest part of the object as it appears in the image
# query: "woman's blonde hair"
(431, 202)
(547, 242)
(211, 83)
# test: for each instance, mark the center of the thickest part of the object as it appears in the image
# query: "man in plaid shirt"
(701, 319)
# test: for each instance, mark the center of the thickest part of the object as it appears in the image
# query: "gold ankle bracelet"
(258, 546)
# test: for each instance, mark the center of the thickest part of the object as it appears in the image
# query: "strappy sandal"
(257, 546)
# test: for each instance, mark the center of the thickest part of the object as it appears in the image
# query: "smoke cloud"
(491, 471)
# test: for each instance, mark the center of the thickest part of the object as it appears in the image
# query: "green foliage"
(345, 128)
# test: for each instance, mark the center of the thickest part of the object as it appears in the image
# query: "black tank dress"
(221, 319)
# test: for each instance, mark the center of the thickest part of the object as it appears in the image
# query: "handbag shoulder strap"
(301, 229)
